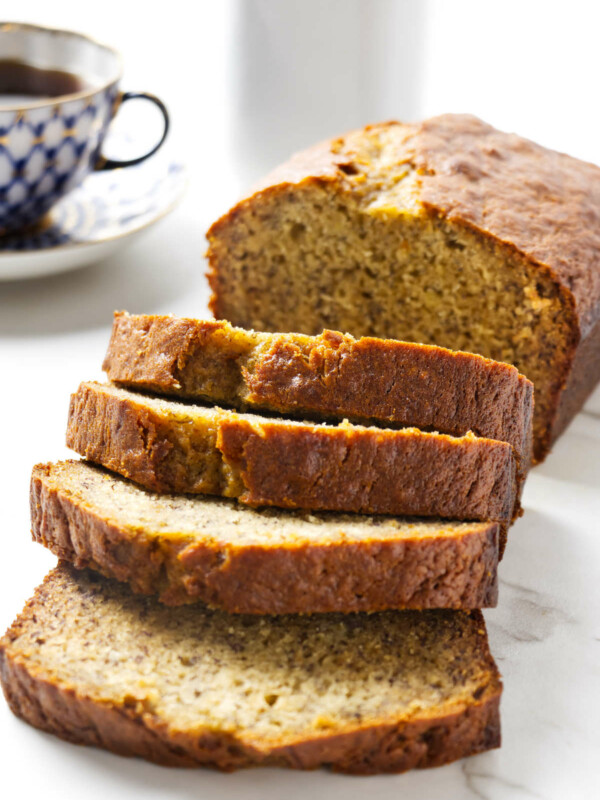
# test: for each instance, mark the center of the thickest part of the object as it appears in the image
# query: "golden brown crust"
(171, 355)
(332, 375)
(415, 385)
(318, 161)
(293, 465)
(59, 707)
(140, 444)
(378, 473)
(434, 572)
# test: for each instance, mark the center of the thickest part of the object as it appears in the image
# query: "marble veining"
(473, 779)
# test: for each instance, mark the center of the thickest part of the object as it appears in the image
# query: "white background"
(530, 66)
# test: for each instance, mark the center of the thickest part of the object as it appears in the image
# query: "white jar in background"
(306, 70)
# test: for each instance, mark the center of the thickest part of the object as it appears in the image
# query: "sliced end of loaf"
(374, 693)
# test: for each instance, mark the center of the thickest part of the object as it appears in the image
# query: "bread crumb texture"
(448, 232)
(372, 692)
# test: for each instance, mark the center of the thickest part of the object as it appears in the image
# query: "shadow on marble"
(142, 278)
(574, 457)
(592, 404)
(543, 578)
(128, 777)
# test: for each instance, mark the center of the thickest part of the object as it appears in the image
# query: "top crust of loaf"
(542, 204)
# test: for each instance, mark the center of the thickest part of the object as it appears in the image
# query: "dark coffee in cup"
(22, 83)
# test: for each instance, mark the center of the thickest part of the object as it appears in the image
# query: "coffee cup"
(59, 91)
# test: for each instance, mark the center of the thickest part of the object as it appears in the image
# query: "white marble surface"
(545, 632)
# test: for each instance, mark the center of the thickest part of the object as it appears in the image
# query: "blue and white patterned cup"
(48, 146)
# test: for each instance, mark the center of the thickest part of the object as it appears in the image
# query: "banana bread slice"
(331, 375)
(386, 692)
(187, 548)
(447, 232)
(171, 447)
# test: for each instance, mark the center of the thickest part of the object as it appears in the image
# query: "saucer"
(106, 213)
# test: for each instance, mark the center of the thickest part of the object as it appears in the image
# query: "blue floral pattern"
(105, 206)
(47, 151)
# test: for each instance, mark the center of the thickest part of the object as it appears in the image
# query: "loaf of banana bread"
(171, 447)
(185, 548)
(363, 693)
(333, 375)
(447, 232)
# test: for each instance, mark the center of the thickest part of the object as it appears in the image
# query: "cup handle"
(108, 163)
